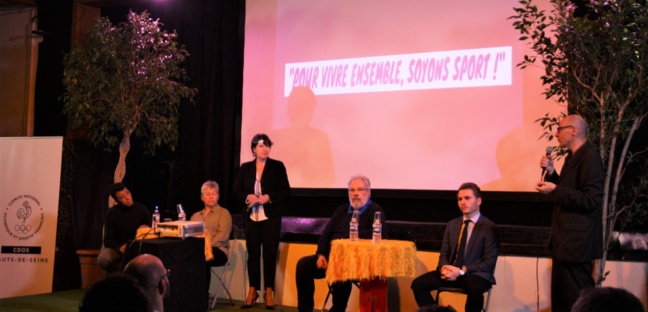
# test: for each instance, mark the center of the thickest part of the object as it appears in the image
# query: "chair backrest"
(221, 283)
(234, 232)
(233, 240)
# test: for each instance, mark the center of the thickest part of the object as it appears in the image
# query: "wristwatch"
(462, 272)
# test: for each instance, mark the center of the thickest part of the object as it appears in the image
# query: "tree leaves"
(596, 63)
(127, 79)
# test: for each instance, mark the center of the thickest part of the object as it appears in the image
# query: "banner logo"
(23, 217)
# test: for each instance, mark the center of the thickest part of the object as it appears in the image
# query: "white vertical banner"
(30, 172)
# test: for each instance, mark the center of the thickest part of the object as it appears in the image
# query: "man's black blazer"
(481, 252)
(576, 222)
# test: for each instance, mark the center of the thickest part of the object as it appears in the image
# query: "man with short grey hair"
(218, 223)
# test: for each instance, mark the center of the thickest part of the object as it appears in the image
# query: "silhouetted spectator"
(606, 299)
(116, 292)
(152, 276)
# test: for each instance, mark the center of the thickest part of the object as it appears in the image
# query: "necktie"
(461, 249)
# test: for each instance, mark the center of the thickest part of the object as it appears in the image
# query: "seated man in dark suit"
(471, 267)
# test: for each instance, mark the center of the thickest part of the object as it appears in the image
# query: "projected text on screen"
(417, 71)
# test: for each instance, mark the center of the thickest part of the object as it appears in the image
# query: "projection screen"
(414, 94)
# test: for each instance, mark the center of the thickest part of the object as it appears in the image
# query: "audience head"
(116, 292)
(121, 194)
(359, 191)
(209, 193)
(436, 308)
(603, 299)
(151, 274)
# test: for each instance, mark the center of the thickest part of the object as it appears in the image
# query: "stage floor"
(68, 301)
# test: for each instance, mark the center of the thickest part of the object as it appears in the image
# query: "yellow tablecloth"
(145, 232)
(364, 260)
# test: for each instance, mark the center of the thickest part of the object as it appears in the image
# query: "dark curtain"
(209, 129)
(212, 32)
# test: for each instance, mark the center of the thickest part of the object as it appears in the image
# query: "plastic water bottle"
(377, 228)
(353, 227)
(156, 217)
(181, 214)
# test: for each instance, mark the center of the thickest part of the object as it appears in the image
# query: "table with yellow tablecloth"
(371, 264)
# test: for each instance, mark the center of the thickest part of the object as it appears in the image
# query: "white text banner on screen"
(417, 71)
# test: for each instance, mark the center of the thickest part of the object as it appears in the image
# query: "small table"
(186, 260)
(371, 264)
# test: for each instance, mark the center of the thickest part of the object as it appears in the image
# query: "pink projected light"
(413, 94)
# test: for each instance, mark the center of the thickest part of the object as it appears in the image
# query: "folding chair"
(330, 291)
(233, 239)
(461, 291)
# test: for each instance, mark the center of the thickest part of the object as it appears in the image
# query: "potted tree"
(595, 58)
(125, 80)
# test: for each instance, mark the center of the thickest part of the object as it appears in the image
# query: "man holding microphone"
(576, 224)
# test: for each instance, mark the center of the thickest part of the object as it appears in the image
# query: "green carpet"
(62, 301)
(68, 301)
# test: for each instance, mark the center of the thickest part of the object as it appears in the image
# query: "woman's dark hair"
(258, 138)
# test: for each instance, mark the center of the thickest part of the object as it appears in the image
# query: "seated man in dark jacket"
(314, 267)
(470, 267)
(120, 226)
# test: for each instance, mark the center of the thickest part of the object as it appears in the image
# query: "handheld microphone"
(548, 152)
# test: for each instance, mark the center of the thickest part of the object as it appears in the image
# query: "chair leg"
(487, 300)
(221, 283)
(326, 300)
(216, 294)
(228, 293)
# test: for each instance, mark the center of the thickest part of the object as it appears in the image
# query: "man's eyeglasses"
(168, 273)
(563, 127)
(360, 190)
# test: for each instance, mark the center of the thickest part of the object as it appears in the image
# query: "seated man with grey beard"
(314, 267)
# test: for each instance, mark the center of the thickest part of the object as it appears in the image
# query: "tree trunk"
(120, 170)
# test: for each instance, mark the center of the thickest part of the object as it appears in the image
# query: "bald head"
(571, 132)
(147, 269)
(579, 123)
